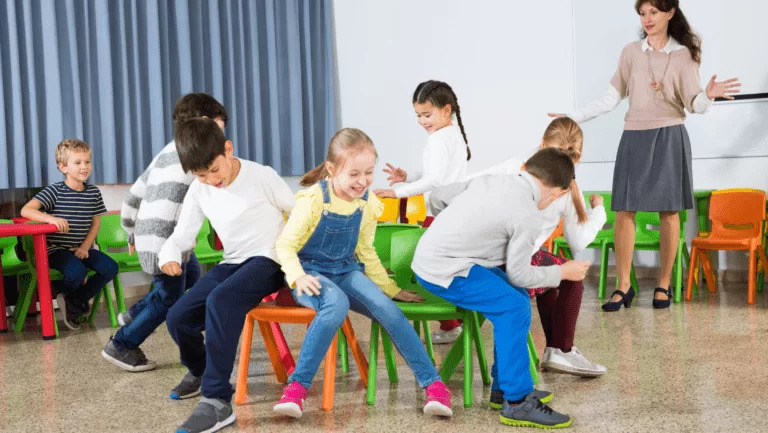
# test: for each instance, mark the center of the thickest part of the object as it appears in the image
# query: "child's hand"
(308, 285)
(60, 223)
(408, 296)
(172, 269)
(595, 200)
(555, 115)
(396, 174)
(385, 193)
(574, 270)
(131, 249)
(80, 252)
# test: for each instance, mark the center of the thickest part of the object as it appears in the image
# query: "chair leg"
(95, 305)
(110, 307)
(417, 328)
(763, 266)
(709, 273)
(118, 285)
(342, 348)
(428, 341)
(451, 361)
(532, 350)
(329, 376)
(286, 357)
(272, 351)
(679, 270)
(467, 343)
(692, 271)
(752, 276)
(245, 358)
(22, 303)
(357, 352)
(389, 356)
(481, 359)
(373, 357)
(603, 271)
(686, 259)
(533, 360)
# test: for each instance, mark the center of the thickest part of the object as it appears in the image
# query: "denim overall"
(330, 255)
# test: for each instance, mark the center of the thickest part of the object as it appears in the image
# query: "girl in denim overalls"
(326, 251)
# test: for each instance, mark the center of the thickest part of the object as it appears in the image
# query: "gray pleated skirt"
(653, 171)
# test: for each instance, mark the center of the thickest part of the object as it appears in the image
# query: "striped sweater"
(77, 207)
(152, 207)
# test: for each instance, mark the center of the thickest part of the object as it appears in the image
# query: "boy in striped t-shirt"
(74, 207)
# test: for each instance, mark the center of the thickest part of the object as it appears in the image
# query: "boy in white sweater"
(244, 202)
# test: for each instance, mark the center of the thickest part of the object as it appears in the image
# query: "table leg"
(3, 320)
(44, 288)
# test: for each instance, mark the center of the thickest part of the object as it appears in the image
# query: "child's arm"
(443, 196)
(184, 235)
(81, 252)
(308, 206)
(43, 202)
(581, 235)
(366, 253)
(508, 167)
(131, 203)
(278, 192)
(436, 163)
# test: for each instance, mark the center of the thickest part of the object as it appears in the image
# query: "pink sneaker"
(291, 402)
(438, 400)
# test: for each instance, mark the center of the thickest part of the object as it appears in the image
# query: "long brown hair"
(441, 94)
(345, 142)
(678, 26)
(565, 134)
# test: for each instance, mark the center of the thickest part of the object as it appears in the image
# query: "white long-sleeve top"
(611, 98)
(247, 215)
(577, 235)
(444, 161)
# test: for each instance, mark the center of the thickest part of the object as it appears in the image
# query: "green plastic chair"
(111, 236)
(204, 249)
(648, 238)
(433, 308)
(382, 242)
(13, 265)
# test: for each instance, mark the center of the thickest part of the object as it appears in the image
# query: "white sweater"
(247, 215)
(444, 162)
(577, 235)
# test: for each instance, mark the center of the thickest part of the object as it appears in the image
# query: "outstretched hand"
(722, 89)
(556, 115)
(396, 174)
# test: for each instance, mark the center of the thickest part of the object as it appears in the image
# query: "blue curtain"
(109, 72)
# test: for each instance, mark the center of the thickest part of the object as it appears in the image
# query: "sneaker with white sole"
(572, 362)
(446, 337)
(210, 415)
(127, 359)
(68, 312)
(438, 400)
(532, 413)
(292, 401)
(497, 397)
(187, 388)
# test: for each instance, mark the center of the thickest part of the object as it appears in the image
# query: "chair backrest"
(205, 235)
(9, 257)
(382, 241)
(610, 215)
(737, 213)
(403, 247)
(391, 210)
(416, 209)
(7, 242)
(550, 242)
(111, 234)
(648, 223)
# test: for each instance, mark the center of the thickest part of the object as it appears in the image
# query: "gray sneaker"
(68, 312)
(124, 318)
(188, 387)
(210, 415)
(497, 397)
(533, 413)
(127, 359)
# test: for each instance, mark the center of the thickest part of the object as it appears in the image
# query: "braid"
(461, 127)
(441, 94)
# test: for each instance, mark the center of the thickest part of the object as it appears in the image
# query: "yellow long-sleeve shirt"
(305, 217)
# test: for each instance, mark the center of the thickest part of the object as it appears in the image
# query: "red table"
(38, 232)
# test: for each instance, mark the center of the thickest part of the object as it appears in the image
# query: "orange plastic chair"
(264, 314)
(549, 244)
(416, 209)
(391, 210)
(737, 217)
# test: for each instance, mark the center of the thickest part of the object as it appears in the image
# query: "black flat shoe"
(626, 299)
(662, 303)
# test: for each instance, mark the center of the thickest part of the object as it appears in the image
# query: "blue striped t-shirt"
(77, 207)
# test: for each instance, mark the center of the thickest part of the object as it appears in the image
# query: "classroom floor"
(697, 367)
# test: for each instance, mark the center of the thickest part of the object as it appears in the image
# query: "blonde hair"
(565, 134)
(345, 142)
(68, 146)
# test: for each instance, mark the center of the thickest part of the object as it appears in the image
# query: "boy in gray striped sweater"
(149, 214)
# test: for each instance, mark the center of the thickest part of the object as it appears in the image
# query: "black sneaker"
(533, 413)
(210, 415)
(69, 312)
(497, 397)
(127, 359)
(188, 387)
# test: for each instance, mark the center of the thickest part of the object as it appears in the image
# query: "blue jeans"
(193, 274)
(74, 272)
(509, 309)
(154, 307)
(355, 291)
(218, 304)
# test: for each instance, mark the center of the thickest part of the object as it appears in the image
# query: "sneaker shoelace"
(544, 408)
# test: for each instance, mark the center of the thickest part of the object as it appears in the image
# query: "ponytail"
(578, 202)
(314, 175)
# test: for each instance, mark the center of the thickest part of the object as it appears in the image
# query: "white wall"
(509, 64)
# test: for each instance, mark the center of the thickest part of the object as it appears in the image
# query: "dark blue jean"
(74, 272)
(154, 307)
(218, 304)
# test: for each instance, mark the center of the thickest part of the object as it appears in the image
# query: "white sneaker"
(445, 337)
(546, 355)
(572, 362)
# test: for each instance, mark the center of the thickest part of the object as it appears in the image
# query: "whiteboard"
(734, 44)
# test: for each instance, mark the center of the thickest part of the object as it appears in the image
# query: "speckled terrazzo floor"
(697, 367)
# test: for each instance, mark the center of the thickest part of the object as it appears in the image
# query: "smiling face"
(654, 21)
(77, 167)
(354, 175)
(222, 171)
(432, 118)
